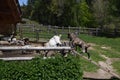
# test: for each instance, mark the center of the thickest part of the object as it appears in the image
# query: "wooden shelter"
(10, 15)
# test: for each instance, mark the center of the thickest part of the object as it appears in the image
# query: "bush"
(58, 68)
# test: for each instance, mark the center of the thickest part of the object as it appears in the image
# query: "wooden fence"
(35, 32)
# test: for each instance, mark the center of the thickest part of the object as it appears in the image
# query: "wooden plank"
(16, 58)
(8, 13)
(96, 76)
(33, 48)
(26, 25)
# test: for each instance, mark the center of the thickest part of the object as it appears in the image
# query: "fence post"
(115, 32)
(54, 30)
(97, 31)
(49, 26)
(33, 27)
(69, 29)
(79, 30)
(62, 29)
(37, 35)
(20, 32)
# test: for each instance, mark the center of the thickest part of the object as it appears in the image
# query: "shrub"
(57, 68)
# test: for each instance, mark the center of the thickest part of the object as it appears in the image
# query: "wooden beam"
(33, 48)
(16, 58)
(15, 8)
(4, 13)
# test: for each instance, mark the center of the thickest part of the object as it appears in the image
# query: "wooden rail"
(33, 48)
(16, 58)
(42, 31)
(9, 48)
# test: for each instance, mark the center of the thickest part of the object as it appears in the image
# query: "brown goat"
(78, 42)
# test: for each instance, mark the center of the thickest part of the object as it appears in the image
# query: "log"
(16, 58)
(7, 48)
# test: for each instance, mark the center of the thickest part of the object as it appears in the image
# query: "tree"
(76, 13)
(114, 7)
(59, 12)
(24, 11)
(100, 11)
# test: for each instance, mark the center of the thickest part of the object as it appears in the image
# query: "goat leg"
(88, 55)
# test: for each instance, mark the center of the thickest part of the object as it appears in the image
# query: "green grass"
(113, 43)
(87, 66)
(96, 56)
(116, 66)
(112, 52)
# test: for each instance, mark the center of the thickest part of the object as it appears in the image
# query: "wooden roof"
(10, 12)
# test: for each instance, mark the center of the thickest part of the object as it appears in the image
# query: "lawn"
(110, 47)
(112, 50)
(116, 65)
(112, 44)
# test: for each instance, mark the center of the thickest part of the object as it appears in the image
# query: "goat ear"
(60, 35)
(88, 45)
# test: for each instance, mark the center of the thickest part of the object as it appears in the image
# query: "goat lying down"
(54, 42)
(12, 40)
(78, 42)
